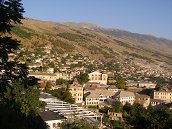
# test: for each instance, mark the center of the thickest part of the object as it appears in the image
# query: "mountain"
(96, 42)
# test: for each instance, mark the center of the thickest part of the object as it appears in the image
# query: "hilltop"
(98, 43)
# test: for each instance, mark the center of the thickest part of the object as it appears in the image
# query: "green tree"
(78, 124)
(120, 82)
(83, 78)
(62, 94)
(117, 106)
(61, 81)
(19, 99)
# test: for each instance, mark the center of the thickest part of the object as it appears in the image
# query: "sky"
(152, 17)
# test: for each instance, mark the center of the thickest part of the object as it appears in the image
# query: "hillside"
(95, 42)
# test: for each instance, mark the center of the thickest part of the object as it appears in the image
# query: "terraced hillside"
(96, 42)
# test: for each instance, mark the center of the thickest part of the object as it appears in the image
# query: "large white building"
(125, 96)
(98, 77)
(52, 119)
(50, 76)
(95, 97)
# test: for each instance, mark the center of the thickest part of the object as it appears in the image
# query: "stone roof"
(141, 96)
(50, 115)
(122, 94)
(98, 92)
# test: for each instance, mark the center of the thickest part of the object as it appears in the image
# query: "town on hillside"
(74, 86)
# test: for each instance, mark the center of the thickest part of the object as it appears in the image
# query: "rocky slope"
(96, 42)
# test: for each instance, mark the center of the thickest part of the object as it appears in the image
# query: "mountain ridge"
(97, 43)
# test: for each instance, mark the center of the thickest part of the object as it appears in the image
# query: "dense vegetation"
(137, 117)
(78, 124)
(62, 94)
(19, 97)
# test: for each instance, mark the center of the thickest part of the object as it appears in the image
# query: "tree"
(117, 106)
(120, 82)
(83, 78)
(78, 124)
(19, 98)
(61, 81)
(62, 94)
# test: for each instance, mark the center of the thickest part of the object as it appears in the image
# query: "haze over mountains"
(96, 42)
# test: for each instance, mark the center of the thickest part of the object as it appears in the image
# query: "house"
(115, 115)
(163, 93)
(98, 96)
(142, 99)
(98, 77)
(113, 88)
(50, 70)
(157, 103)
(125, 96)
(77, 91)
(52, 119)
(44, 76)
(141, 84)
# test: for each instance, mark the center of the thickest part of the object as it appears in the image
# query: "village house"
(163, 93)
(125, 96)
(77, 91)
(141, 84)
(52, 119)
(98, 77)
(117, 116)
(44, 76)
(97, 97)
(157, 103)
(142, 99)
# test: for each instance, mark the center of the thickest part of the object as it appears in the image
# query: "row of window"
(157, 93)
(95, 103)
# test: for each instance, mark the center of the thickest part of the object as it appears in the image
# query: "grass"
(73, 37)
(21, 32)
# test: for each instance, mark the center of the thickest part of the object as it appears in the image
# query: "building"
(77, 91)
(115, 116)
(163, 93)
(98, 96)
(157, 103)
(44, 76)
(98, 77)
(52, 119)
(50, 76)
(125, 96)
(141, 84)
(142, 99)
(50, 70)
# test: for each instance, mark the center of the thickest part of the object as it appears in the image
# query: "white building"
(52, 119)
(125, 96)
(44, 76)
(98, 77)
(95, 97)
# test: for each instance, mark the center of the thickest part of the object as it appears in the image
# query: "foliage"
(78, 124)
(120, 82)
(73, 37)
(117, 106)
(61, 81)
(104, 110)
(139, 117)
(19, 98)
(93, 106)
(21, 33)
(117, 125)
(62, 94)
(83, 78)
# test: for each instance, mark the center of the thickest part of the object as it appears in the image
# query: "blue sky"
(141, 16)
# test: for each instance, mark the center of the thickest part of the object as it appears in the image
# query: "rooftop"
(50, 115)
